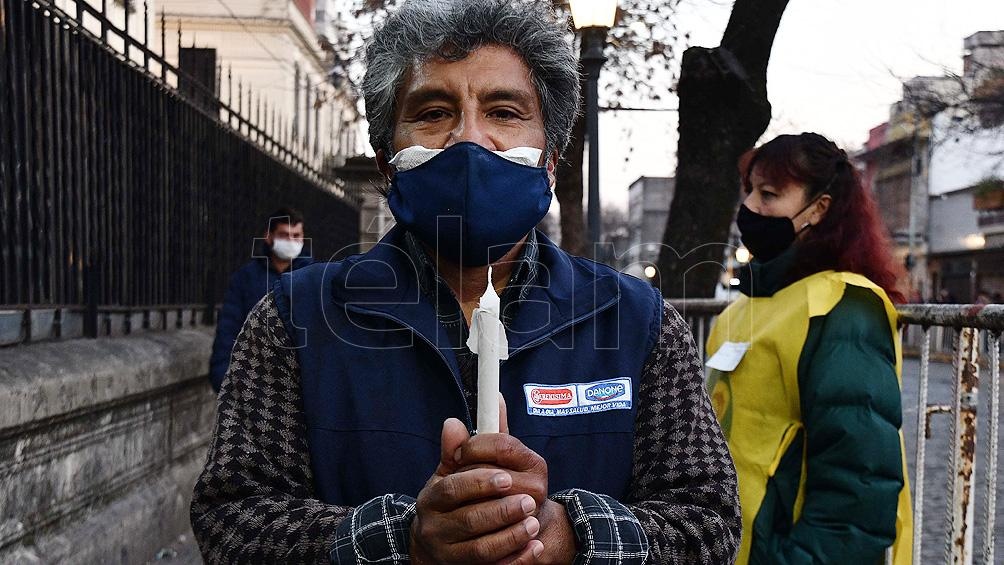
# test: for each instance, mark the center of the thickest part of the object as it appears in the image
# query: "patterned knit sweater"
(255, 502)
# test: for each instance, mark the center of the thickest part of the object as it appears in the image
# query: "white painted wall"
(261, 42)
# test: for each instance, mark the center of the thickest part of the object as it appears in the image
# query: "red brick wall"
(306, 8)
(876, 137)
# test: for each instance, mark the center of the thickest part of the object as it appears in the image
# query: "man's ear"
(384, 165)
(552, 168)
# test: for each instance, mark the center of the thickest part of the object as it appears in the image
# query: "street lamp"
(593, 18)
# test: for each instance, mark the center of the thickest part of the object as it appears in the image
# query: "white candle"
(488, 340)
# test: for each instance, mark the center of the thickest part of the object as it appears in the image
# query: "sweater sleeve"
(851, 409)
(684, 489)
(254, 501)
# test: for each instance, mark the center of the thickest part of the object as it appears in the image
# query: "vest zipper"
(524, 347)
(456, 377)
(560, 328)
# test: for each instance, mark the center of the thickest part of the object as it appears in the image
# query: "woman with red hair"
(805, 365)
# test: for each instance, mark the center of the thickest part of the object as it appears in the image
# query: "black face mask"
(766, 237)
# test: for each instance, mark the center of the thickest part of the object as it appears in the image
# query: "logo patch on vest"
(578, 398)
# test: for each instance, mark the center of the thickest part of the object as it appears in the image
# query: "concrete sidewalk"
(184, 551)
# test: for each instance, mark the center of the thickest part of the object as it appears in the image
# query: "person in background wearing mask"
(284, 243)
(345, 423)
(805, 366)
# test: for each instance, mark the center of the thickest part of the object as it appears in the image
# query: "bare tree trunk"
(568, 185)
(568, 189)
(723, 111)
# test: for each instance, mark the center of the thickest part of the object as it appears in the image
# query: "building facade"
(649, 199)
(935, 168)
(272, 66)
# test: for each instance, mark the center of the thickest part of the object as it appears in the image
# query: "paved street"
(183, 551)
(938, 454)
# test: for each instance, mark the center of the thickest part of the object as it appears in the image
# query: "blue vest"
(379, 376)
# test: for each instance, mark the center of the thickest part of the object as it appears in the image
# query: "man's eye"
(432, 116)
(504, 114)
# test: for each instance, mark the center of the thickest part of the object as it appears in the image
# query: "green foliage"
(988, 185)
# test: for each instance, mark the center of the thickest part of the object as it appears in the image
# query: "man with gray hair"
(345, 429)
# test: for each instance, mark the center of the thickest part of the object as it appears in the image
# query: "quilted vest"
(379, 376)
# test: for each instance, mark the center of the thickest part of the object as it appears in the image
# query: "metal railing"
(30, 324)
(118, 189)
(973, 334)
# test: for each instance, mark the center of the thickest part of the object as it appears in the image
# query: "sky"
(836, 67)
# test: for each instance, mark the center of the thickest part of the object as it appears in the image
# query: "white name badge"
(728, 356)
(578, 398)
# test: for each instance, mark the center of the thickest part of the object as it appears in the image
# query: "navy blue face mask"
(468, 204)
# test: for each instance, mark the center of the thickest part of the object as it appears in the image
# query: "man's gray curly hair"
(421, 30)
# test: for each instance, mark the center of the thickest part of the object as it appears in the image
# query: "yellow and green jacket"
(812, 414)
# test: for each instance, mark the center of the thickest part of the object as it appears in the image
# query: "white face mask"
(411, 157)
(287, 249)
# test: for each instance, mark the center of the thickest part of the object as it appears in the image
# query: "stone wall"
(100, 445)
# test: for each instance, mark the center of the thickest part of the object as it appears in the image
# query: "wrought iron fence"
(119, 189)
(973, 335)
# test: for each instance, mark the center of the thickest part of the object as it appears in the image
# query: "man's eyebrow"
(509, 95)
(424, 95)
